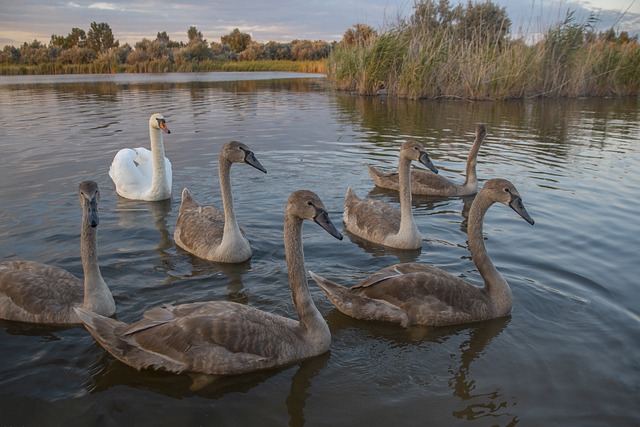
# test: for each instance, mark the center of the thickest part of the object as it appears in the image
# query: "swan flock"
(222, 337)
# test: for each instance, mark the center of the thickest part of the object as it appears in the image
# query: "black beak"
(425, 160)
(250, 159)
(322, 219)
(516, 205)
(93, 213)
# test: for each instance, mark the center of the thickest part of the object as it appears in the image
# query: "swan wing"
(168, 173)
(427, 294)
(371, 219)
(199, 227)
(131, 171)
(32, 291)
(423, 182)
(358, 306)
(428, 183)
(211, 337)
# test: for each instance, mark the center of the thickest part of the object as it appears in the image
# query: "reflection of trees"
(543, 128)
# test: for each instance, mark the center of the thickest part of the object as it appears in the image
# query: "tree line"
(99, 44)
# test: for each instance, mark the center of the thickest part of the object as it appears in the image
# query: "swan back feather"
(222, 337)
(420, 294)
(211, 233)
(34, 292)
(427, 183)
(379, 222)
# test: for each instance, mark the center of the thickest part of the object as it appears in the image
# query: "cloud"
(277, 20)
(105, 6)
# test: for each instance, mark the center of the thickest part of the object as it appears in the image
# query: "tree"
(10, 55)
(162, 37)
(100, 37)
(77, 37)
(484, 22)
(359, 35)
(194, 35)
(237, 40)
(431, 16)
(197, 49)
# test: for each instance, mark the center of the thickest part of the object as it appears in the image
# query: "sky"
(272, 20)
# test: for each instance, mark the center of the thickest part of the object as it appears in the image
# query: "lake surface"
(568, 355)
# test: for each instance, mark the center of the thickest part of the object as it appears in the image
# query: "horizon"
(23, 21)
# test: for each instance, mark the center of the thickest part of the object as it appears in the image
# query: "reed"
(165, 66)
(420, 62)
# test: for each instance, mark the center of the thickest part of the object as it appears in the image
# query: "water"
(567, 355)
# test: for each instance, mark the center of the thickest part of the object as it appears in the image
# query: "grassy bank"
(165, 67)
(430, 62)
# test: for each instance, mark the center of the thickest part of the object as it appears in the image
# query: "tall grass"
(98, 67)
(417, 62)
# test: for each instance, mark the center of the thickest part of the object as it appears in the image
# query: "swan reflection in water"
(424, 346)
(108, 373)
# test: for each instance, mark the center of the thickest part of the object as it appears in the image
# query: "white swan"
(39, 293)
(420, 294)
(380, 222)
(424, 182)
(207, 232)
(140, 174)
(222, 337)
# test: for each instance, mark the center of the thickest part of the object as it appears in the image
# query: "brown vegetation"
(97, 51)
(466, 52)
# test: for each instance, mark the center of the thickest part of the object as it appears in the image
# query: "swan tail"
(107, 332)
(383, 180)
(103, 330)
(188, 202)
(360, 306)
(351, 198)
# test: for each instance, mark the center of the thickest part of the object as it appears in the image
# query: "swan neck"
(404, 181)
(224, 176)
(157, 155)
(472, 161)
(310, 317)
(97, 296)
(494, 284)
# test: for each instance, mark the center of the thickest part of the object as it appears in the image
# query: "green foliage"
(359, 35)
(99, 50)
(100, 37)
(465, 52)
(237, 40)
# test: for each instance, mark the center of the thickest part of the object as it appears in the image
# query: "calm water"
(568, 355)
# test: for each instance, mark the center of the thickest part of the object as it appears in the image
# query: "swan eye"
(506, 190)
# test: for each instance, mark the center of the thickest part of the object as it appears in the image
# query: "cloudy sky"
(269, 20)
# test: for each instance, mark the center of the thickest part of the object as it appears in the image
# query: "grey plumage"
(34, 292)
(208, 232)
(424, 182)
(221, 337)
(381, 223)
(420, 294)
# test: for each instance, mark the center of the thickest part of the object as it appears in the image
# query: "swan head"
(503, 191)
(415, 151)
(89, 196)
(306, 204)
(481, 131)
(157, 121)
(237, 152)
